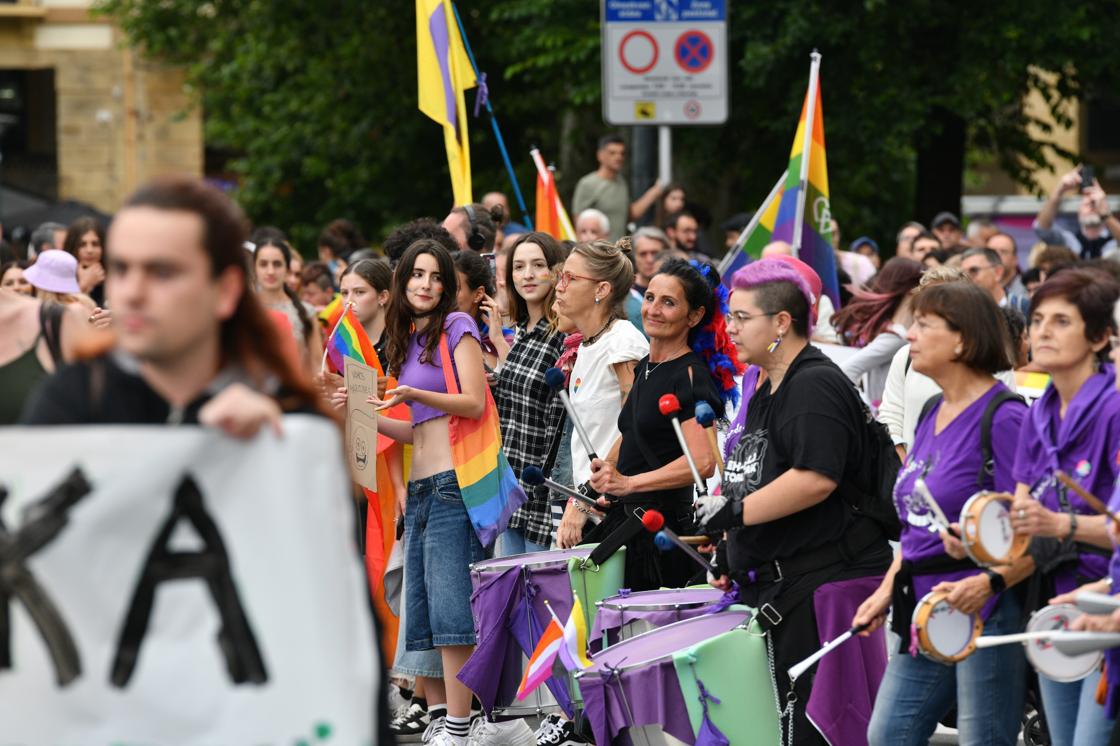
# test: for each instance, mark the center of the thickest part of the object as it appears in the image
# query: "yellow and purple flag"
(444, 72)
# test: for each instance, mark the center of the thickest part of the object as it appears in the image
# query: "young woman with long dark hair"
(271, 259)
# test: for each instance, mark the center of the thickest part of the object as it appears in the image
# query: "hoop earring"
(775, 344)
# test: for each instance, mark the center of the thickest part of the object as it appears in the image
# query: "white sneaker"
(442, 739)
(435, 728)
(397, 700)
(507, 733)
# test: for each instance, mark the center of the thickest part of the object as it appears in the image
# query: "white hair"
(604, 221)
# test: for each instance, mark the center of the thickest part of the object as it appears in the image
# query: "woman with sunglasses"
(592, 288)
(1074, 427)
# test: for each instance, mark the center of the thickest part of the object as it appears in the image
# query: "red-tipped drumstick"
(654, 522)
(669, 406)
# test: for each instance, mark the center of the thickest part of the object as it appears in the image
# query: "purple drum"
(630, 614)
(635, 682)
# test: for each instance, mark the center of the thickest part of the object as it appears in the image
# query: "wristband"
(997, 582)
(1072, 526)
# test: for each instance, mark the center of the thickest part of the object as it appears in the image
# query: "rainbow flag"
(754, 237)
(443, 73)
(804, 215)
(349, 339)
(539, 668)
(551, 217)
(332, 312)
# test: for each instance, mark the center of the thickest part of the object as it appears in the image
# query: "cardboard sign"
(173, 585)
(361, 423)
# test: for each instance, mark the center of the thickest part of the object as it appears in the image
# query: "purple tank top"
(429, 376)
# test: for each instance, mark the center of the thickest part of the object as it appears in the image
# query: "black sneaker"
(556, 731)
(410, 727)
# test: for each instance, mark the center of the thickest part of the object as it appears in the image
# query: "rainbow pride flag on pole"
(798, 212)
(551, 217)
(349, 339)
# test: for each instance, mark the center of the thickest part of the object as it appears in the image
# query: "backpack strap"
(988, 467)
(929, 406)
(50, 325)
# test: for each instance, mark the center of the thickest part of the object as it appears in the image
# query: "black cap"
(945, 217)
(737, 222)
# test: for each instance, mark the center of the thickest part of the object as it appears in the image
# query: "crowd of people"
(96, 330)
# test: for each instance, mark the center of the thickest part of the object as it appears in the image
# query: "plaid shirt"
(530, 415)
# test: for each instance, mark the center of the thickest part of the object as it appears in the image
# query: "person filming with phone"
(1097, 227)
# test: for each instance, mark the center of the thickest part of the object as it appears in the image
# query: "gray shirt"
(610, 196)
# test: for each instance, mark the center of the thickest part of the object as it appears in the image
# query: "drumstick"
(935, 511)
(534, 476)
(992, 641)
(799, 668)
(1091, 602)
(705, 415)
(669, 406)
(1094, 502)
(1079, 643)
(554, 377)
(654, 522)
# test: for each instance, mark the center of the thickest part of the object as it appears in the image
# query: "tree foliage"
(316, 102)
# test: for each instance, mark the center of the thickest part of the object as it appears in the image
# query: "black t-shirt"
(813, 422)
(646, 433)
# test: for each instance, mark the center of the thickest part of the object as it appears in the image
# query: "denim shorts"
(440, 545)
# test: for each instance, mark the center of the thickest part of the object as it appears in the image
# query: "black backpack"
(987, 467)
(872, 494)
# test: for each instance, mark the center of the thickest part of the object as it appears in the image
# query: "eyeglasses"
(739, 318)
(566, 278)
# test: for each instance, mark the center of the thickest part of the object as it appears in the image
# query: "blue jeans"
(440, 546)
(1072, 713)
(989, 687)
(513, 541)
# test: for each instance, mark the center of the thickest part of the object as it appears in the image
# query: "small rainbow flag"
(539, 668)
(349, 339)
(332, 312)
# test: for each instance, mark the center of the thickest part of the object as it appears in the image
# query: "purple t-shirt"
(429, 376)
(951, 461)
(1082, 444)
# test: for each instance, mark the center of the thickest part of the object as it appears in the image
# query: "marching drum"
(517, 596)
(1045, 658)
(986, 530)
(630, 614)
(654, 679)
(942, 633)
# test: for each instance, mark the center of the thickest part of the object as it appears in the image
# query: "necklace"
(595, 337)
(658, 365)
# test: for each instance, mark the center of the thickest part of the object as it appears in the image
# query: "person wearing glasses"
(984, 269)
(1074, 427)
(592, 287)
(691, 358)
(793, 541)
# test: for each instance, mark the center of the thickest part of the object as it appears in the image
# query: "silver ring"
(1022, 513)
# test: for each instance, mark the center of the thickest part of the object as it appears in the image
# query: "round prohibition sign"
(637, 68)
(694, 51)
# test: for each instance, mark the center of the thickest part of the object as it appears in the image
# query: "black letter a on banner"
(211, 563)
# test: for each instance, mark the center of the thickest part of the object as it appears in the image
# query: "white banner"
(202, 591)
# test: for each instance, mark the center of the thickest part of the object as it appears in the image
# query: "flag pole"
(494, 124)
(741, 241)
(806, 152)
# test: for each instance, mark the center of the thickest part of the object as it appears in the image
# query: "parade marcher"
(590, 291)
(530, 415)
(792, 534)
(270, 263)
(876, 321)
(1074, 427)
(440, 543)
(645, 468)
(476, 288)
(959, 340)
(85, 241)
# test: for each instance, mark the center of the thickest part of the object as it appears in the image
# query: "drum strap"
(903, 598)
(987, 467)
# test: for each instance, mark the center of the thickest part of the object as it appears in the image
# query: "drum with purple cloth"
(630, 614)
(514, 599)
(701, 675)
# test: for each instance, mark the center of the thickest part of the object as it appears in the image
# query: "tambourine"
(941, 632)
(986, 530)
(1045, 658)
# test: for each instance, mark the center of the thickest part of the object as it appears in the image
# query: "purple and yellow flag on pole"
(444, 72)
(797, 209)
(804, 216)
